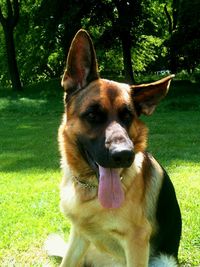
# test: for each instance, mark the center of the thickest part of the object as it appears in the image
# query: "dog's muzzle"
(119, 145)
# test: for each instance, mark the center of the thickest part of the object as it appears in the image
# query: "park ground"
(30, 174)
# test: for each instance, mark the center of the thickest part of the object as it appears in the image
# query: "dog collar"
(85, 184)
(88, 185)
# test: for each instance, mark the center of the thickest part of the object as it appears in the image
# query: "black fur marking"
(169, 220)
(87, 157)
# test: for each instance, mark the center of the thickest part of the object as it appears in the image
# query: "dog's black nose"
(122, 158)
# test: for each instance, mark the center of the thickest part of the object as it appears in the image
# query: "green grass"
(30, 175)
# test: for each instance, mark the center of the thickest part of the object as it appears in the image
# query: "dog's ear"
(147, 96)
(81, 66)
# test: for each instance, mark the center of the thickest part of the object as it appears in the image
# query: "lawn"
(30, 174)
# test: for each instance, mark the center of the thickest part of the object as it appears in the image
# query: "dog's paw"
(55, 246)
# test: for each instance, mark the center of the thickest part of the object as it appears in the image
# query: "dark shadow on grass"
(28, 143)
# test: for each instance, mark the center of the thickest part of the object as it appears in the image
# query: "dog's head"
(102, 131)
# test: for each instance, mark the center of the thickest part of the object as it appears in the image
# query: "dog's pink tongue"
(110, 191)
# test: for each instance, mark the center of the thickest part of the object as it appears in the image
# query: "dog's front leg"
(77, 248)
(137, 248)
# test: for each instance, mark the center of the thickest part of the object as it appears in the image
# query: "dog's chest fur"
(108, 229)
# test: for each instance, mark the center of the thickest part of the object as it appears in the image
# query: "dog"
(120, 201)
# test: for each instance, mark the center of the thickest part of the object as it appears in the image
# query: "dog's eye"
(126, 116)
(95, 117)
(94, 114)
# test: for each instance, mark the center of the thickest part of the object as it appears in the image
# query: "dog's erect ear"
(147, 96)
(81, 66)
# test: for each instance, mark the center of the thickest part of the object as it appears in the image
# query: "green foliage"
(185, 37)
(185, 76)
(38, 57)
(110, 62)
(46, 28)
(146, 52)
(3, 62)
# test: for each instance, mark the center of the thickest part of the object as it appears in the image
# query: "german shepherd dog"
(120, 201)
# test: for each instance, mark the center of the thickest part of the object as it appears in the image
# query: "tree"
(184, 35)
(9, 22)
(172, 28)
(58, 25)
(117, 18)
(188, 33)
(117, 21)
(128, 12)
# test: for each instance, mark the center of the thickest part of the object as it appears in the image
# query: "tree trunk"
(11, 57)
(126, 49)
(9, 23)
(172, 21)
(173, 58)
(124, 28)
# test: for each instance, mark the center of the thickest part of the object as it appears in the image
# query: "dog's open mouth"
(110, 192)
